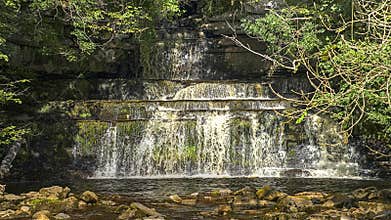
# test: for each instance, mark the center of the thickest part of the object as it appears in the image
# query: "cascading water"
(186, 126)
(200, 138)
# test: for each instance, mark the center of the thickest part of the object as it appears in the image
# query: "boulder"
(89, 197)
(42, 215)
(55, 192)
(70, 203)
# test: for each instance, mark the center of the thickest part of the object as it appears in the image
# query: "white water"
(216, 144)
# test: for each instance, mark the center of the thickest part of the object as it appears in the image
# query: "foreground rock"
(59, 203)
(269, 203)
(89, 197)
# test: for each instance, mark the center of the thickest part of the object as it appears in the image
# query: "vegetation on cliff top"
(344, 47)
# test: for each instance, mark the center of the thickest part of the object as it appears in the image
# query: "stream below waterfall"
(157, 189)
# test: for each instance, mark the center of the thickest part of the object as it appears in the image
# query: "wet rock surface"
(264, 202)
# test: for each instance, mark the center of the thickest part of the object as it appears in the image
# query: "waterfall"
(214, 143)
(181, 120)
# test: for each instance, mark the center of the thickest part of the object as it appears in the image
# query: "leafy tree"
(344, 48)
(73, 29)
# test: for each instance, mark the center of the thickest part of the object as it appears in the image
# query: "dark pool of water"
(159, 189)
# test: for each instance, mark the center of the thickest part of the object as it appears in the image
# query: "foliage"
(344, 48)
(10, 94)
(75, 29)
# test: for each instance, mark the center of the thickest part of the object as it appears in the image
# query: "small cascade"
(108, 153)
(181, 60)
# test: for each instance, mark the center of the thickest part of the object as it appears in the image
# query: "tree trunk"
(6, 163)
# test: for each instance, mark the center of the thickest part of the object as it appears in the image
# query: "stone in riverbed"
(246, 191)
(121, 208)
(362, 194)
(244, 203)
(26, 209)
(343, 201)
(175, 198)
(89, 197)
(7, 213)
(82, 205)
(266, 204)
(277, 215)
(12, 214)
(375, 207)
(221, 193)
(55, 192)
(264, 191)
(127, 214)
(294, 204)
(385, 195)
(13, 197)
(42, 215)
(312, 195)
(70, 203)
(144, 210)
(7, 205)
(62, 216)
(189, 202)
(275, 195)
(224, 210)
(108, 203)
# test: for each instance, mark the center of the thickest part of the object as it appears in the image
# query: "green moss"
(89, 136)
(291, 153)
(43, 201)
(190, 152)
(81, 110)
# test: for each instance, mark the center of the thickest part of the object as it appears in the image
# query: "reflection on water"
(159, 189)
